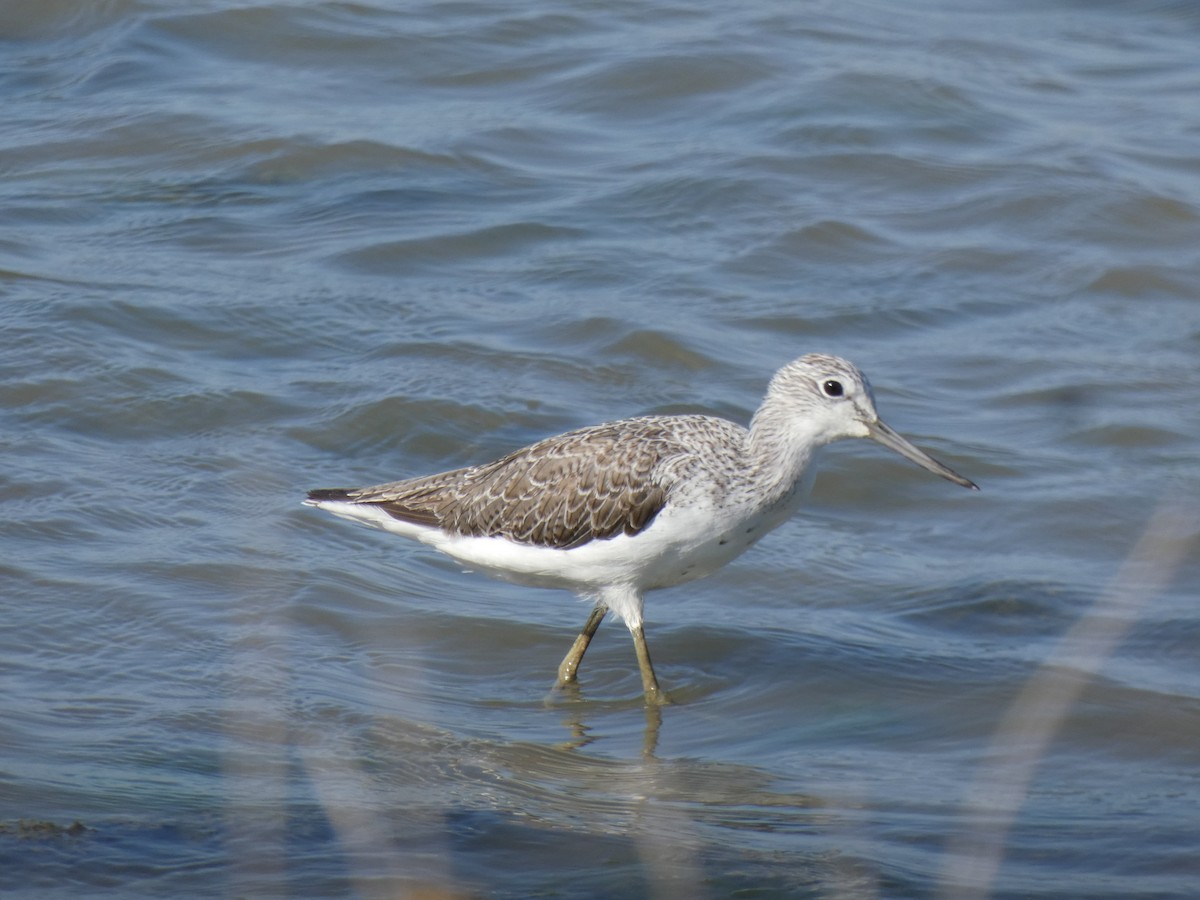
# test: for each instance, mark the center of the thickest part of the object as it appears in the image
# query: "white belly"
(681, 544)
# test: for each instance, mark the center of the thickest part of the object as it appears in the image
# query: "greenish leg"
(655, 696)
(569, 668)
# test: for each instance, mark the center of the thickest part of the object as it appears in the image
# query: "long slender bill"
(878, 431)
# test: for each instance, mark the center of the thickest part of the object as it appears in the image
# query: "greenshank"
(613, 511)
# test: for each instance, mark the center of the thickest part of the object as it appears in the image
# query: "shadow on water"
(595, 821)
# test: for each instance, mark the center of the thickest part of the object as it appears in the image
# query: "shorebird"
(613, 511)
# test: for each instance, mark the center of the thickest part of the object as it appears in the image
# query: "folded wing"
(563, 492)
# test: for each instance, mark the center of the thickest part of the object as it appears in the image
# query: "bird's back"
(565, 491)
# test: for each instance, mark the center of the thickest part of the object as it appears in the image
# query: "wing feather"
(565, 491)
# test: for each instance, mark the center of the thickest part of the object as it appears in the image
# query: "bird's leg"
(655, 696)
(570, 665)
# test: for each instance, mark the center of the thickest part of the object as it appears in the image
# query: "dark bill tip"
(881, 433)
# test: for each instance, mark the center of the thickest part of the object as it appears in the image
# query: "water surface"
(246, 250)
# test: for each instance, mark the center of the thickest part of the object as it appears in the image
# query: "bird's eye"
(832, 388)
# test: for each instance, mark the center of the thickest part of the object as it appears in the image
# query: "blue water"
(247, 250)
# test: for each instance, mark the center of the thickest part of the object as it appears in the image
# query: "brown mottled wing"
(562, 492)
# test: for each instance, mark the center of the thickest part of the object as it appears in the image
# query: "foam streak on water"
(249, 249)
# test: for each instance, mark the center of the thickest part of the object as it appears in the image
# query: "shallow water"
(246, 250)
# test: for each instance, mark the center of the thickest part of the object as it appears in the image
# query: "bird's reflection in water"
(577, 709)
(647, 793)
